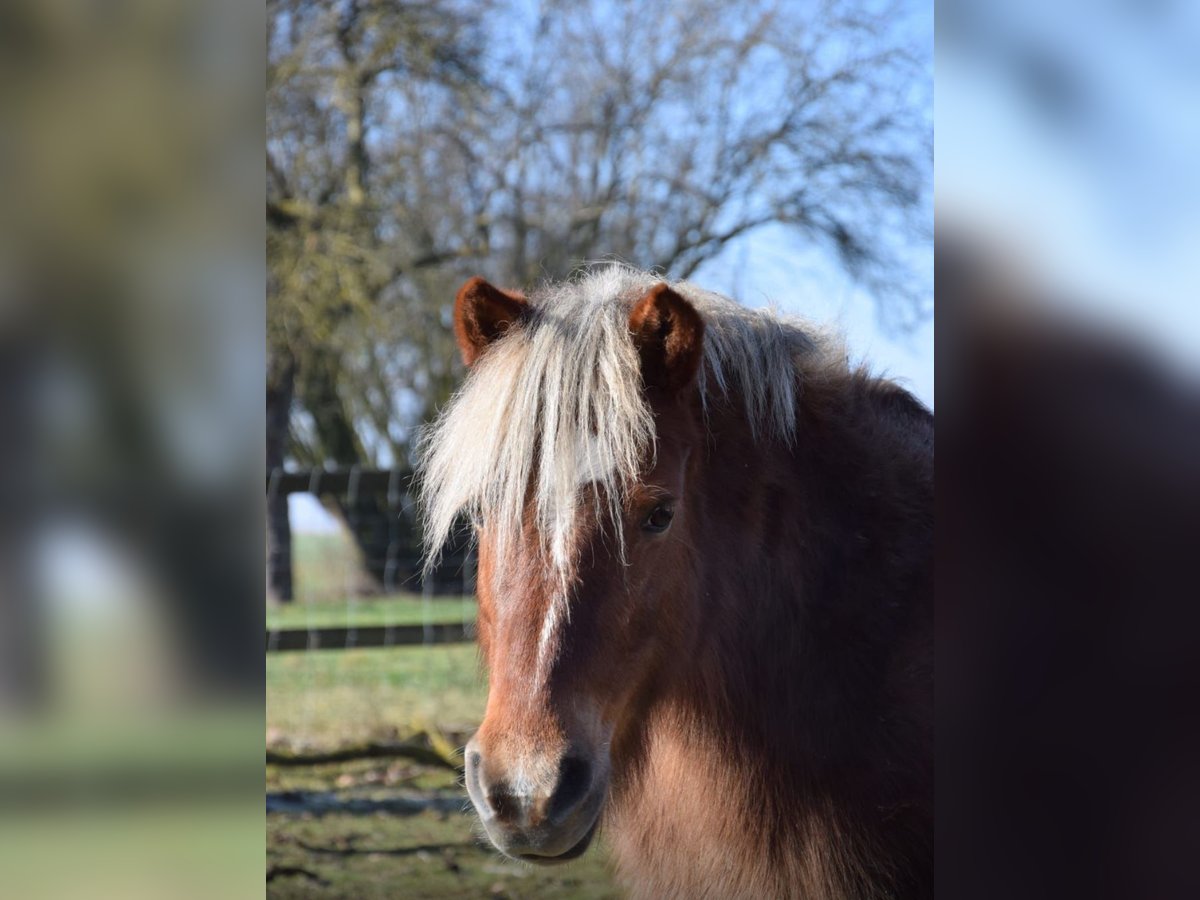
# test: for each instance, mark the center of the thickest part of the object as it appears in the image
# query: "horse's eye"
(659, 520)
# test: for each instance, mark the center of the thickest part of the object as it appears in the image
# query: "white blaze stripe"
(591, 465)
(545, 640)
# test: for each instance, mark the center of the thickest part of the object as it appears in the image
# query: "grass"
(329, 698)
(333, 697)
(406, 609)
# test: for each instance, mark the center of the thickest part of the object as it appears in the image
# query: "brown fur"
(482, 313)
(754, 688)
(669, 335)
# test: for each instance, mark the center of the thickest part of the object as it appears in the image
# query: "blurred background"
(777, 152)
(1068, 280)
(131, 538)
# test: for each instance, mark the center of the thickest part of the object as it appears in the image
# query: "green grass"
(406, 609)
(333, 697)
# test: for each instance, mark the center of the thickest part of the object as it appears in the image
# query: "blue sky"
(1082, 170)
(771, 266)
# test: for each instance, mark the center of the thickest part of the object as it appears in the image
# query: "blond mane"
(557, 404)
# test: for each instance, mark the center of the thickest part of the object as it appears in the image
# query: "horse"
(705, 588)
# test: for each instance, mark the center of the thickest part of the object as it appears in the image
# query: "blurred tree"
(412, 144)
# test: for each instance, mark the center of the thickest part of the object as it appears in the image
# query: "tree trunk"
(366, 515)
(24, 670)
(280, 387)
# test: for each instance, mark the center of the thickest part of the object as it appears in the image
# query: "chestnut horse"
(705, 591)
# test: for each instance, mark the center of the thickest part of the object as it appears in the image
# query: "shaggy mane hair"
(557, 404)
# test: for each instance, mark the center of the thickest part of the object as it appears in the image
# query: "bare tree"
(411, 144)
(662, 131)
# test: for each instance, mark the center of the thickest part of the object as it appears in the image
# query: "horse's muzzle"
(542, 813)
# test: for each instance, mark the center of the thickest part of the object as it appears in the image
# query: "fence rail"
(297, 639)
(391, 482)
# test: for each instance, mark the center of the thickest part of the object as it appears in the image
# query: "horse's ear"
(669, 336)
(482, 313)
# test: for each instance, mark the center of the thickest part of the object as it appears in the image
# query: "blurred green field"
(338, 848)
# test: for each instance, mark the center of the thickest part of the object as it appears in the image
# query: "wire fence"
(362, 585)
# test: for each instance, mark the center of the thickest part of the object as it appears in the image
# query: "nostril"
(574, 779)
(504, 805)
(474, 759)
